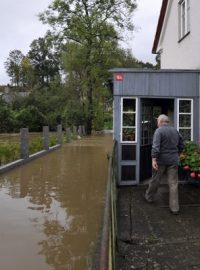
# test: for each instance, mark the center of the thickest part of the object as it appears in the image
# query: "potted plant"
(190, 161)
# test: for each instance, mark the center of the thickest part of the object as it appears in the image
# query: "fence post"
(68, 134)
(59, 134)
(24, 143)
(46, 137)
(80, 130)
(75, 132)
(83, 130)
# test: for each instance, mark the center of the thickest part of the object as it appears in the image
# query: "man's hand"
(154, 164)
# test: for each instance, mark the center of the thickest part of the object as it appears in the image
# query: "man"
(167, 145)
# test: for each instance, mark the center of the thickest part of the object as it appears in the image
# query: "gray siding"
(162, 84)
(196, 119)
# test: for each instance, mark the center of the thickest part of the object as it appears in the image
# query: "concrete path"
(151, 238)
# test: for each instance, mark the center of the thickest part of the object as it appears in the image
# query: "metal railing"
(109, 232)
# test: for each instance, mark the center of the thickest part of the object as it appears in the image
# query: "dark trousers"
(172, 178)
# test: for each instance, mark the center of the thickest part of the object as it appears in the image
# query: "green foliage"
(39, 66)
(125, 59)
(50, 102)
(73, 114)
(13, 66)
(83, 45)
(35, 145)
(31, 117)
(44, 60)
(98, 120)
(108, 121)
(27, 73)
(89, 29)
(52, 140)
(9, 152)
(75, 19)
(7, 118)
(157, 61)
(191, 157)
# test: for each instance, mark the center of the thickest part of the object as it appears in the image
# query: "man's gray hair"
(163, 118)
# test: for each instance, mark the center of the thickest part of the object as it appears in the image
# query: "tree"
(27, 73)
(13, 66)
(44, 60)
(7, 121)
(92, 25)
(158, 61)
(31, 117)
(50, 102)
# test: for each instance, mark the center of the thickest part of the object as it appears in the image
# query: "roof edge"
(160, 25)
(145, 70)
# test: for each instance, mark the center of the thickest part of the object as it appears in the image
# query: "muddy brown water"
(51, 208)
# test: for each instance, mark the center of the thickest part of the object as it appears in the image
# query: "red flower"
(193, 175)
(186, 167)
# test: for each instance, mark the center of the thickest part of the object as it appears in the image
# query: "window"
(185, 118)
(184, 18)
(128, 117)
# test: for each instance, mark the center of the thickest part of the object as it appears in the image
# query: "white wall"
(186, 53)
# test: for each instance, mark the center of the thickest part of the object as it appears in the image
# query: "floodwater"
(51, 209)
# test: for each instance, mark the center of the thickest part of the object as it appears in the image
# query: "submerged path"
(151, 238)
(51, 208)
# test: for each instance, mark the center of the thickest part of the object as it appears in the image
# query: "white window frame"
(184, 14)
(136, 120)
(191, 113)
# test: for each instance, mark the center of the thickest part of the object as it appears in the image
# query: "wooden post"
(59, 134)
(68, 135)
(24, 143)
(46, 137)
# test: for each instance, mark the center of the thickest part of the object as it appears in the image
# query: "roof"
(160, 25)
(146, 70)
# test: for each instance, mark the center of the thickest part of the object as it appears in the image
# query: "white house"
(177, 38)
(141, 95)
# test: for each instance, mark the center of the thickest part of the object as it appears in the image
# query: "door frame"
(139, 124)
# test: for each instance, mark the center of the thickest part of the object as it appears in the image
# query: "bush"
(31, 117)
(7, 119)
(108, 121)
(9, 152)
(190, 159)
(52, 140)
(35, 145)
(98, 118)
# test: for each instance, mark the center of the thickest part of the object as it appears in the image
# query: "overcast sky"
(19, 26)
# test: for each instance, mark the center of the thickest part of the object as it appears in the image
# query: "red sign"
(119, 77)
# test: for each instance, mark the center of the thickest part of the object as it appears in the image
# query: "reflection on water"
(51, 208)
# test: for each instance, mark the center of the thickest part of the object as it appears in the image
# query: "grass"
(10, 149)
(9, 152)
